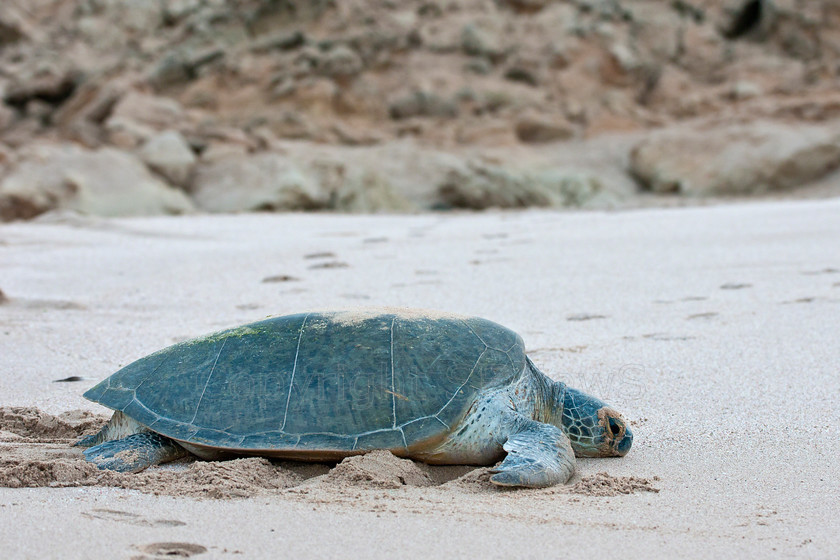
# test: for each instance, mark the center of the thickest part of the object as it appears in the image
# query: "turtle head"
(595, 429)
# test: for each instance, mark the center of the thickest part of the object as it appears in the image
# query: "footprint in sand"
(169, 550)
(585, 317)
(735, 286)
(330, 264)
(320, 255)
(130, 518)
(707, 315)
(279, 278)
(808, 299)
(665, 337)
(823, 271)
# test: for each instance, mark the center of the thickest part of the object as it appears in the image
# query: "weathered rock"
(527, 6)
(169, 155)
(340, 62)
(655, 32)
(738, 159)
(106, 182)
(366, 190)
(126, 133)
(480, 186)
(571, 189)
(51, 86)
(255, 182)
(533, 128)
(138, 116)
(7, 116)
(180, 66)
(217, 151)
(7, 160)
(82, 116)
(151, 110)
(281, 41)
(477, 40)
(422, 104)
(490, 131)
(170, 70)
(740, 18)
(10, 29)
(133, 15)
(176, 10)
(523, 72)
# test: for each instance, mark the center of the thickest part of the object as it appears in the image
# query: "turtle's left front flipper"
(134, 453)
(539, 455)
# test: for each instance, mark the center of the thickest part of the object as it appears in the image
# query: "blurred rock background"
(126, 107)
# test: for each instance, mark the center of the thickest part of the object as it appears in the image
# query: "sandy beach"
(713, 329)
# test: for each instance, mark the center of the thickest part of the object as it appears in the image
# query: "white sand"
(734, 394)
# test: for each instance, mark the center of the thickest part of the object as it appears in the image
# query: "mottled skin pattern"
(322, 386)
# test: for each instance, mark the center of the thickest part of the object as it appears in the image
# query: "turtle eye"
(615, 427)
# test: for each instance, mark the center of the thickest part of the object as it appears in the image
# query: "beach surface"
(713, 329)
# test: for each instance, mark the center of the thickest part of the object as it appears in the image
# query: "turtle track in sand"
(36, 450)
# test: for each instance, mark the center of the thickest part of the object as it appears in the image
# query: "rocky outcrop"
(259, 182)
(195, 88)
(106, 182)
(736, 159)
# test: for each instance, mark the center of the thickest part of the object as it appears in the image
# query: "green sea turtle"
(439, 388)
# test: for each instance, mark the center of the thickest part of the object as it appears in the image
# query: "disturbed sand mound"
(380, 469)
(34, 424)
(36, 450)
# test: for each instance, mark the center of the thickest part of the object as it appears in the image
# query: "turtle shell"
(318, 383)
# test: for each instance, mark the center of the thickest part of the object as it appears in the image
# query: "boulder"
(735, 160)
(366, 190)
(169, 155)
(106, 182)
(263, 181)
(479, 186)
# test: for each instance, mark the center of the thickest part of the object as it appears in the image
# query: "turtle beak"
(622, 436)
(624, 444)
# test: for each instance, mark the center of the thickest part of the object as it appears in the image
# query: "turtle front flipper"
(538, 455)
(134, 453)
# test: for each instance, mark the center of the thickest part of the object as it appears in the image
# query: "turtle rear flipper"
(89, 440)
(539, 455)
(134, 453)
